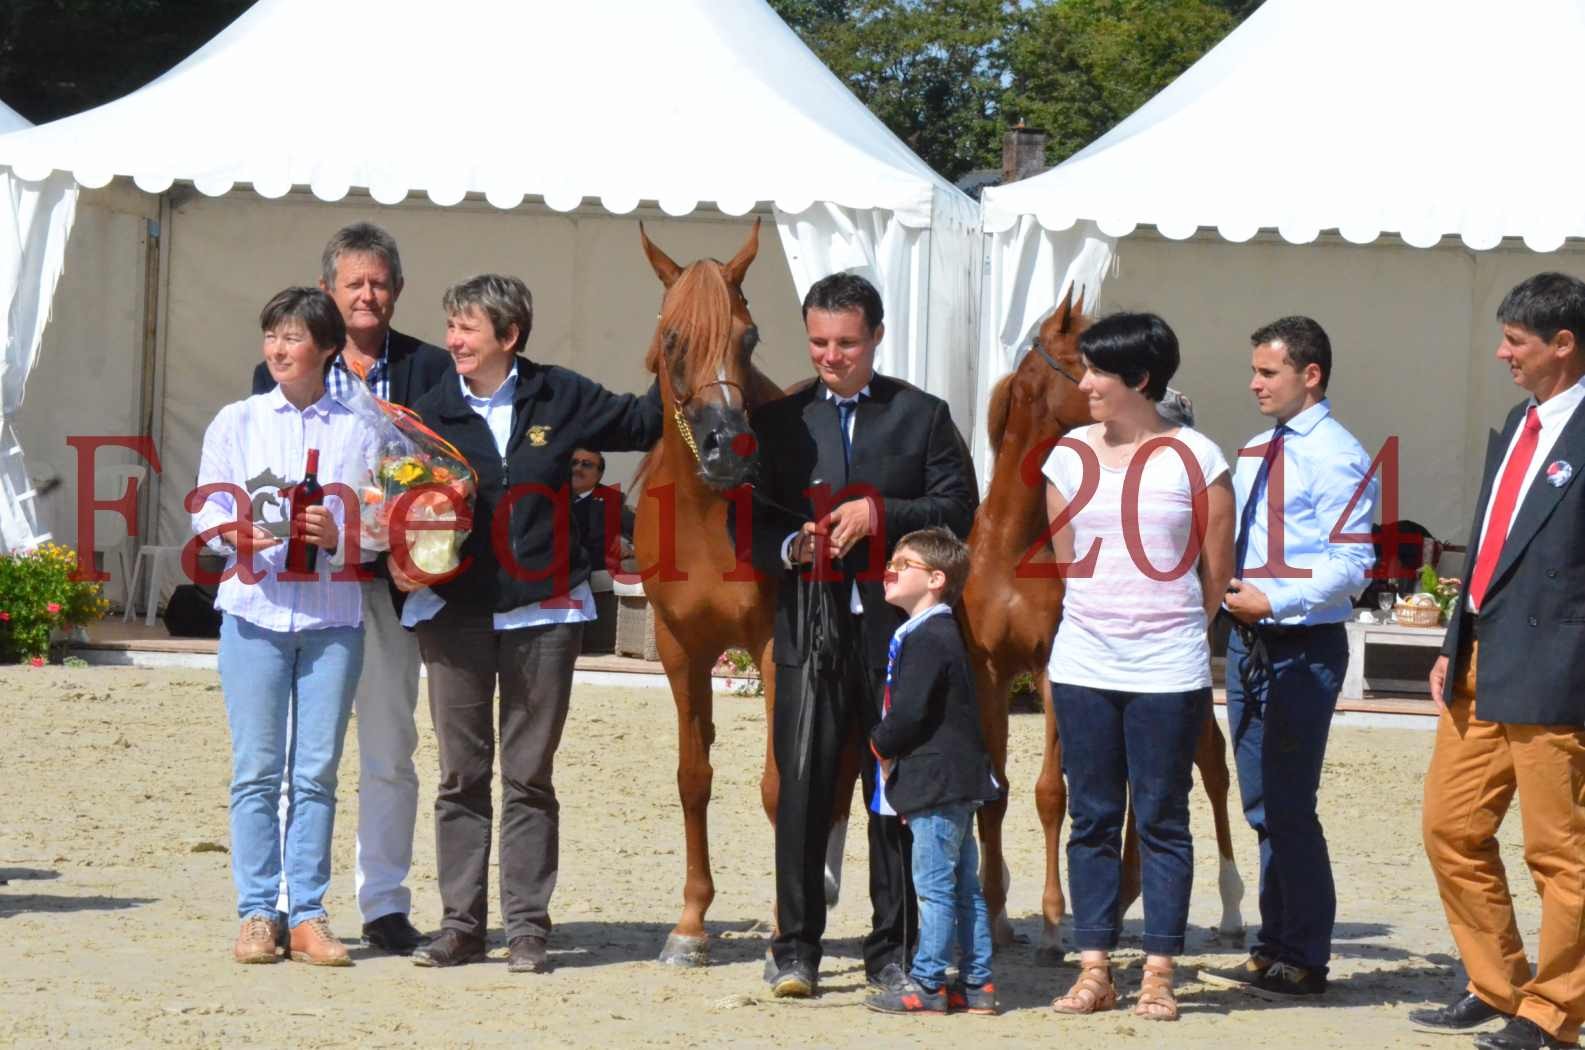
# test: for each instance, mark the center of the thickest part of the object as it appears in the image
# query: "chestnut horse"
(706, 598)
(1010, 619)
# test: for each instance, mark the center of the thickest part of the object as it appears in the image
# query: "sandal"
(1156, 1001)
(1091, 993)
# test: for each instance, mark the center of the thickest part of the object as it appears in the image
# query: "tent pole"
(156, 337)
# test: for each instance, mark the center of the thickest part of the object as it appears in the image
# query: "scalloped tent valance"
(1421, 118)
(616, 101)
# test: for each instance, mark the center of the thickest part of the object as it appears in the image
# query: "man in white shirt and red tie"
(1511, 686)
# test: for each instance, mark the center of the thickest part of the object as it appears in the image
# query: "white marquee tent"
(1390, 168)
(35, 217)
(522, 135)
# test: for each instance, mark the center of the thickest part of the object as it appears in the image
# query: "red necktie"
(1513, 479)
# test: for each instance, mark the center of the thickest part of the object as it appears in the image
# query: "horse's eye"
(750, 339)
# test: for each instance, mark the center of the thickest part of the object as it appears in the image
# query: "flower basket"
(1408, 615)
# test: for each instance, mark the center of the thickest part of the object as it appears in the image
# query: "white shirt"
(424, 603)
(261, 445)
(855, 603)
(1121, 629)
(1554, 413)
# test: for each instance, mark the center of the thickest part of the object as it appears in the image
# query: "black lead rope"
(824, 659)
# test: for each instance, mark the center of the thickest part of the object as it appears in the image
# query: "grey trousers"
(466, 657)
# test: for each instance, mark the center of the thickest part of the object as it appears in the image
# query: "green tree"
(931, 70)
(1078, 67)
(59, 57)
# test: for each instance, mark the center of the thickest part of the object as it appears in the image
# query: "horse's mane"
(996, 414)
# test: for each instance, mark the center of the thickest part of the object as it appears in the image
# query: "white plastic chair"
(110, 529)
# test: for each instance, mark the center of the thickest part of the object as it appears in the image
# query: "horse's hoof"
(1049, 956)
(1002, 933)
(682, 950)
(1233, 938)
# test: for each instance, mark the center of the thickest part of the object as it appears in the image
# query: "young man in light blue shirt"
(1298, 485)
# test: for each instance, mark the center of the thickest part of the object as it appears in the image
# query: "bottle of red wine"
(302, 556)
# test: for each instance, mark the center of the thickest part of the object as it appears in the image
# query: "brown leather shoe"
(313, 943)
(256, 941)
(527, 955)
(449, 948)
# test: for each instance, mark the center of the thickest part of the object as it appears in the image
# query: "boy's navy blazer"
(933, 727)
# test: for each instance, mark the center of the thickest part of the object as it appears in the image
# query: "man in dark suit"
(849, 463)
(362, 271)
(1514, 718)
(592, 505)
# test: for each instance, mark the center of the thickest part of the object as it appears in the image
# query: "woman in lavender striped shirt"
(290, 649)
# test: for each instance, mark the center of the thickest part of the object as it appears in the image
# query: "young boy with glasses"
(935, 772)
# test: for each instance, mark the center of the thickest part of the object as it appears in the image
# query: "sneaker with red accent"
(912, 998)
(972, 998)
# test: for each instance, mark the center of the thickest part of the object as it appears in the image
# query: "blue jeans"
(1116, 743)
(272, 679)
(1279, 742)
(951, 907)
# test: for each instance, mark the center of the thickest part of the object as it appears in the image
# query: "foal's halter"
(682, 421)
(1034, 345)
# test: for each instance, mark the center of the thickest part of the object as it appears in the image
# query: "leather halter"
(1034, 344)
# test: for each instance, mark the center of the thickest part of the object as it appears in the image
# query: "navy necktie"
(845, 411)
(1256, 492)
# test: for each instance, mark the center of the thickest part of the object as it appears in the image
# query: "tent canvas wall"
(544, 152)
(1277, 135)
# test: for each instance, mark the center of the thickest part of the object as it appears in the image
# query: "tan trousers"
(1475, 769)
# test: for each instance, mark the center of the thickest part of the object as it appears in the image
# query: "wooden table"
(1363, 635)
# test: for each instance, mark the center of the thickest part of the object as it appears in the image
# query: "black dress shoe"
(891, 978)
(449, 948)
(794, 982)
(393, 934)
(1468, 1014)
(1520, 1034)
(527, 955)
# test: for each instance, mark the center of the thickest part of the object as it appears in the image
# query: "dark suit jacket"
(589, 523)
(415, 367)
(1532, 620)
(933, 728)
(905, 449)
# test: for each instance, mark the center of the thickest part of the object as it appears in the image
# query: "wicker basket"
(635, 623)
(1417, 615)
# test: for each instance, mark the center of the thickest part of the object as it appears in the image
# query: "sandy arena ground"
(116, 927)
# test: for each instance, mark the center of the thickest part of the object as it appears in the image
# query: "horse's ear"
(664, 268)
(1064, 312)
(1078, 305)
(738, 267)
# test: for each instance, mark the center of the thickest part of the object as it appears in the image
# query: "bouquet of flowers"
(411, 458)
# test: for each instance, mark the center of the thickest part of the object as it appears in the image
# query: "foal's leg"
(992, 689)
(688, 944)
(1051, 801)
(1210, 755)
(854, 751)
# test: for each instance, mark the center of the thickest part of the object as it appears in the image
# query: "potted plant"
(40, 603)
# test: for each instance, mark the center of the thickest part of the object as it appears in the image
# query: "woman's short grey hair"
(504, 299)
(361, 238)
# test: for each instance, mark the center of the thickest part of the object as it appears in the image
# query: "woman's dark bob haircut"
(1137, 348)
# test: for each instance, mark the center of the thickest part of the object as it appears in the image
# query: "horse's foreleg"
(688, 944)
(1210, 755)
(994, 876)
(1051, 801)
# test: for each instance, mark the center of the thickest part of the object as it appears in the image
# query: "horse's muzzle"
(728, 452)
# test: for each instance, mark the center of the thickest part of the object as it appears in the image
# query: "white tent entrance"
(1350, 160)
(523, 137)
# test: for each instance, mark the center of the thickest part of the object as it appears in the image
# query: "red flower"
(53, 607)
(5, 617)
(37, 661)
